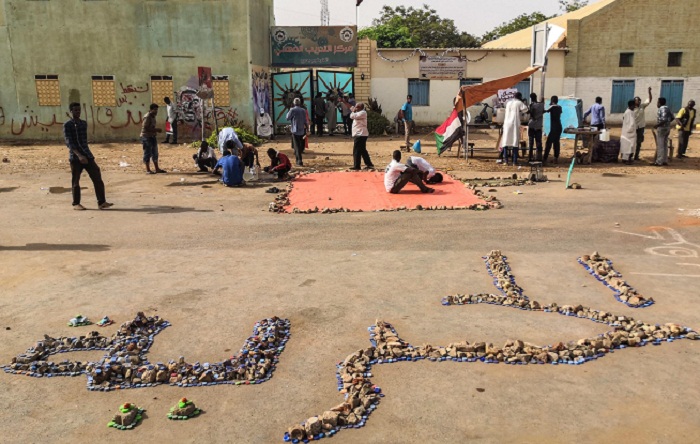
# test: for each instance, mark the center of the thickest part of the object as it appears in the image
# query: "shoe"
(161, 172)
(150, 172)
(79, 207)
(665, 164)
(105, 206)
(369, 167)
(355, 169)
(428, 190)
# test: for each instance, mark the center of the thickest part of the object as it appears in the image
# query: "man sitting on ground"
(231, 170)
(205, 157)
(397, 175)
(249, 156)
(427, 172)
(279, 163)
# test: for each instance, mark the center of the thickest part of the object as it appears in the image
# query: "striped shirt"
(75, 134)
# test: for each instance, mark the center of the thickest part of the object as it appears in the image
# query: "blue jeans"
(150, 149)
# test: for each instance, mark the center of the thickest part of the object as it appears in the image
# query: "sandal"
(161, 171)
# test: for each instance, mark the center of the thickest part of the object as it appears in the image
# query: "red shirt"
(281, 162)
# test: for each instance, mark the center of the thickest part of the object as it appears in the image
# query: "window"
(626, 59)
(672, 90)
(675, 59)
(103, 92)
(622, 92)
(47, 89)
(471, 81)
(221, 90)
(420, 90)
(523, 88)
(161, 87)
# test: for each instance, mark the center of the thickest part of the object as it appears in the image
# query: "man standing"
(360, 135)
(149, 141)
(597, 113)
(319, 112)
(80, 158)
(171, 111)
(555, 129)
(297, 117)
(331, 113)
(628, 135)
(685, 121)
(227, 134)
(639, 109)
(510, 140)
(345, 110)
(231, 170)
(534, 126)
(205, 157)
(397, 175)
(406, 116)
(664, 117)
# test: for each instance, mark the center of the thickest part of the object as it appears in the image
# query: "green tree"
(410, 27)
(572, 5)
(520, 22)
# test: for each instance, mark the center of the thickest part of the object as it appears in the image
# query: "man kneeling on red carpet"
(397, 175)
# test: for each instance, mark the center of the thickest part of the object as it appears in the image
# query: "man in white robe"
(510, 141)
(628, 137)
(264, 124)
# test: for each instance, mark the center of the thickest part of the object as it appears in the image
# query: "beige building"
(614, 49)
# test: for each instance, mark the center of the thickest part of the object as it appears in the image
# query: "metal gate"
(672, 90)
(335, 83)
(622, 92)
(286, 86)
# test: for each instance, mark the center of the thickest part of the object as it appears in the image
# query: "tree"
(520, 22)
(410, 27)
(572, 5)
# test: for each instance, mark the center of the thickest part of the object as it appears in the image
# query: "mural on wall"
(190, 107)
(261, 90)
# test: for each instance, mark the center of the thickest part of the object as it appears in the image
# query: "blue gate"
(622, 92)
(335, 83)
(523, 88)
(672, 90)
(286, 86)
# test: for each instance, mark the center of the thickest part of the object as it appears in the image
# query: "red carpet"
(365, 191)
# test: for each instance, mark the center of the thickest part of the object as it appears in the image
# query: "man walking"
(80, 158)
(597, 113)
(406, 116)
(319, 112)
(149, 141)
(685, 121)
(534, 126)
(171, 111)
(639, 109)
(297, 117)
(664, 117)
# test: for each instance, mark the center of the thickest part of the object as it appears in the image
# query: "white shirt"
(172, 113)
(511, 123)
(359, 123)
(264, 125)
(392, 172)
(227, 134)
(639, 114)
(423, 165)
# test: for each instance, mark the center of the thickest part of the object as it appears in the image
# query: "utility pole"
(325, 14)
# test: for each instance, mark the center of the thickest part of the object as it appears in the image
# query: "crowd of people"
(631, 138)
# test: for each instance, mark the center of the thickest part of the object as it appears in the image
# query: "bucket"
(605, 136)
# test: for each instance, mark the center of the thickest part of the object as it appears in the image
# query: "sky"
(473, 16)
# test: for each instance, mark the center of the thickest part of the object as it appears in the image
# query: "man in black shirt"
(555, 130)
(80, 158)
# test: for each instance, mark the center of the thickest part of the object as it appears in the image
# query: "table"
(584, 135)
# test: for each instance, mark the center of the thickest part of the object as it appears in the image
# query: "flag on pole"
(358, 3)
(449, 132)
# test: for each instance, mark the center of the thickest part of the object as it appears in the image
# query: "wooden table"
(587, 139)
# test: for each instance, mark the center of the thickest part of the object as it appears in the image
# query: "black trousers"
(347, 123)
(298, 145)
(409, 175)
(318, 124)
(174, 130)
(359, 153)
(76, 170)
(640, 140)
(683, 137)
(552, 141)
(535, 139)
(203, 164)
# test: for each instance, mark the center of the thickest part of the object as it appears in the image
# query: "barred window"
(220, 85)
(161, 87)
(47, 89)
(103, 91)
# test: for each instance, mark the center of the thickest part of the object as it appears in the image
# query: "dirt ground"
(212, 260)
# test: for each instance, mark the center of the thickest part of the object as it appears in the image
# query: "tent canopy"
(473, 94)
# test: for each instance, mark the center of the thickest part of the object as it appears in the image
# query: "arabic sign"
(296, 46)
(505, 95)
(442, 67)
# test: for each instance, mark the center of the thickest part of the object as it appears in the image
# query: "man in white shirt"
(427, 172)
(171, 115)
(227, 134)
(639, 109)
(360, 133)
(510, 140)
(264, 124)
(397, 175)
(205, 157)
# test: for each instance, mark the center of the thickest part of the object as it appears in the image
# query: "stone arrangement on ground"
(362, 396)
(183, 410)
(602, 269)
(125, 364)
(128, 417)
(497, 181)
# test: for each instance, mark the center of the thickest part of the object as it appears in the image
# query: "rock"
(313, 426)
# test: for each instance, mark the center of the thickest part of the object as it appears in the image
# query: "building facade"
(115, 57)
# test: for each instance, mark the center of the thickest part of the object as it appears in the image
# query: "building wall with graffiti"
(117, 57)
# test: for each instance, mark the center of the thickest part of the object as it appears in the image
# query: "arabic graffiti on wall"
(191, 106)
(304, 46)
(261, 90)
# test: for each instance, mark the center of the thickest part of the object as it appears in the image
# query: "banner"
(308, 46)
(505, 95)
(442, 67)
